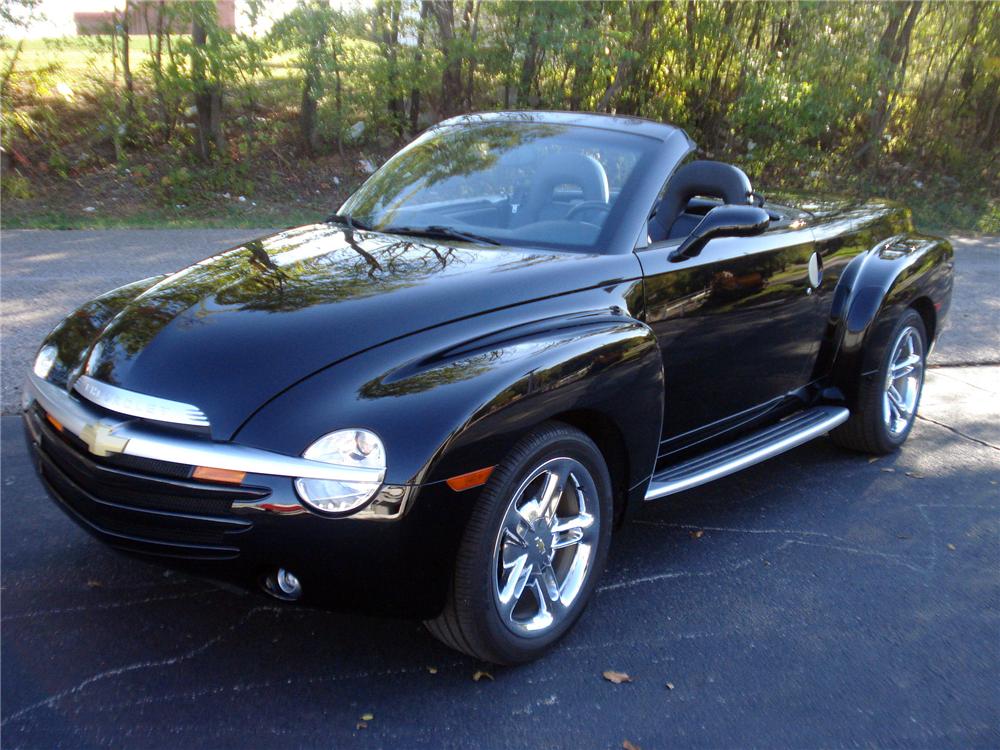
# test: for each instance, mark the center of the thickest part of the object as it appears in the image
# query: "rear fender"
(875, 289)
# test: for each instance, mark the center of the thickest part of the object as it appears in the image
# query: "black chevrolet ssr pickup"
(442, 400)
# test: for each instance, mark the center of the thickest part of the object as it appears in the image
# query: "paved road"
(828, 601)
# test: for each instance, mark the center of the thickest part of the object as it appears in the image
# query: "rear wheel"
(888, 402)
(533, 549)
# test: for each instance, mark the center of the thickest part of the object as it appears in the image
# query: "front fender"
(900, 272)
(76, 333)
(455, 399)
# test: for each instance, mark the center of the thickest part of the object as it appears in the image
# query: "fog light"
(283, 584)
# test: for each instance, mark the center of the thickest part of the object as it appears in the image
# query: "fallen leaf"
(616, 677)
(361, 725)
(367, 717)
(993, 481)
(914, 475)
(873, 459)
(630, 746)
(670, 686)
(697, 534)
(432, 670)
(952, 547)
(888, 469)
(483, 676)
(94, 584)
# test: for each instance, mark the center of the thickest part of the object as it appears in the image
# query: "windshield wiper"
(348, 221)
(439, 230)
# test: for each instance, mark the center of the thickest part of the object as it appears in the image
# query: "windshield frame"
(625, 222)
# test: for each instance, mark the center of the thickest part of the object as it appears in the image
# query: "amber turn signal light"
(219, 475)
(470, 480)
(54, 422)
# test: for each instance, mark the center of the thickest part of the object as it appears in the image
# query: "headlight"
(350, 448)
(44, 360)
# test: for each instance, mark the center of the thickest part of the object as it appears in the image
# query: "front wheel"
(887, 403)
(533, 549)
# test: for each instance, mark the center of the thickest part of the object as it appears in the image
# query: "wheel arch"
(606, 380)
(902, 272)
(607, 436)
(925, 307)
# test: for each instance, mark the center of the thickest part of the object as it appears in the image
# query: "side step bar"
(760, 446)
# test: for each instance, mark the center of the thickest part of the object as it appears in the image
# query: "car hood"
(231, 332)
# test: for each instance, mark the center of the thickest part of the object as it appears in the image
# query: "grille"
(134, 463)
(158, 513)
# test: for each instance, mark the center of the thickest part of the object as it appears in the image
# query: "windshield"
(513, 183)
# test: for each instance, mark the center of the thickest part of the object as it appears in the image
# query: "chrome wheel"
(903, 381)
(545, 547)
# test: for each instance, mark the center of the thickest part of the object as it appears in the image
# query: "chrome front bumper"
(105, 435)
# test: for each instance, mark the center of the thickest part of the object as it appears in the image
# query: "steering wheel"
(587, 206)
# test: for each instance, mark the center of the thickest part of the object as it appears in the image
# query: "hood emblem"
(101, 440)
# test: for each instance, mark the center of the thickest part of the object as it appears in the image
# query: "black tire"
(471, 621)
(866, 430)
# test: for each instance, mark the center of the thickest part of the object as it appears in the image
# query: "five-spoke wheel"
(533, 549)
(545, 546)
(903, 380)
(886, 404)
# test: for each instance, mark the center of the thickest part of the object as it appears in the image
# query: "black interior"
(568, 198)
(677, 215)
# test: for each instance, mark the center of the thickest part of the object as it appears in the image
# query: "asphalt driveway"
(819, 599)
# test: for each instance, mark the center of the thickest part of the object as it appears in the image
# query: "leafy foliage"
(896, 97)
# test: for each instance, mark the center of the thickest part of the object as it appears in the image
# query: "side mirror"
(722, 221)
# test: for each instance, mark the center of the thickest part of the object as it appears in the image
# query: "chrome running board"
(760, 446)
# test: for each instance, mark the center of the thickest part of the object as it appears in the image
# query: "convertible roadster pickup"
(444, 399)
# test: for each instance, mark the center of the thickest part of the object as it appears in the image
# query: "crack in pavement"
(959, 432)
(970, 363)
(103, 605)
(137, 666)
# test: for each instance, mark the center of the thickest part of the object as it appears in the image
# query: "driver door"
(736, 329)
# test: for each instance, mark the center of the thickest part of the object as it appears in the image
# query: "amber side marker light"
(54, 422)
(470, 480)
(228, 476)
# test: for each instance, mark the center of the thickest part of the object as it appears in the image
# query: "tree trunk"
(581, 60)
(207, 96)
(9, 72)
(894, 50)
(642, 16)
(307, 115)
(338, 99)
(387, 15)
(474, 9)
(127, 70)
(690, 53)
(529, 67)
(451, 76)
(166, 122)
(418, 57)
(508, 82)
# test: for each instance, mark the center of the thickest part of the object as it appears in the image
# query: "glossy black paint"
(737, 329)
(722, 221)
(235, 330)
(451, 352)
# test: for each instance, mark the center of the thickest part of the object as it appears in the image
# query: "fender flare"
(876, 288)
